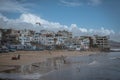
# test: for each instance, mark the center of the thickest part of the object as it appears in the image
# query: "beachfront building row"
(52, 38)
(49, 38)
(79, 43)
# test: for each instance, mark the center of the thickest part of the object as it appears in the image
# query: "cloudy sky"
(82, 17)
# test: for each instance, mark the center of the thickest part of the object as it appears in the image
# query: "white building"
(65, 34)
(60, 39)
(25, 37)
(47, 39)
(85, 43)
(36, 37)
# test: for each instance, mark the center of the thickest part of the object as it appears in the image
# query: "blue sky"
(104, 14)
(85, 14)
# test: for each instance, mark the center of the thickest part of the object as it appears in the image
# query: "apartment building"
(9, 36)
(102, 42)
(25, 37)
(0, 37)
(36, 37)
(65, 34)
(85, 43)
(88, 41)
(60, 39)
(47, 39)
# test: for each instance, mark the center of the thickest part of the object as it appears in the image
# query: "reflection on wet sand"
(35, 70)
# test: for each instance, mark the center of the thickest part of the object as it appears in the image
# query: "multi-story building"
(0, 37)
(73, 43)
(102, 42)
(60, 39)
(87, 41)
(36, 37)
(9, 36)
(65, 34)
(47, 39)
(25, 37)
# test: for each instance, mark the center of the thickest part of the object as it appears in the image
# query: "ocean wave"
(93, 63)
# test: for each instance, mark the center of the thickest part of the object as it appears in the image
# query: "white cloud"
(78, 31)
(13, 6)
(83, 29)
(28, 21)
(94, 2)
(101, 31)
(30, 18)
(71, 3)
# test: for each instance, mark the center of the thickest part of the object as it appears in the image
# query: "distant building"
(47, 38)
(65, 34)
(102, 42)
(36, 37)
(60, 39)
(0, 36)
(73, 43)
(87, 41)
(25, 37)
(9, 36)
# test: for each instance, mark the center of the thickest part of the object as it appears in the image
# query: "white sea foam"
(115, 58)
(93, 63)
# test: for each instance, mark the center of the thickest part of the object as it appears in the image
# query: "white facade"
(86, 43)
(60, 40)
(47, 40)
(36, 37)
(25, 37)
(25, 40)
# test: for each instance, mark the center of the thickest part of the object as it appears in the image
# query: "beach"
(60, 65)
(30, 57)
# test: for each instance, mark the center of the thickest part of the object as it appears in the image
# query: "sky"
(82, 17)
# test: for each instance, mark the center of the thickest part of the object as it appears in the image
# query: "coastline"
(45, 63)
(28, 57)
(31, 57)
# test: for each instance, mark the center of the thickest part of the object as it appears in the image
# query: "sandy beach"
(29, 57)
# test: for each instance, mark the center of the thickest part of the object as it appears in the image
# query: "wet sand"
(29, 57)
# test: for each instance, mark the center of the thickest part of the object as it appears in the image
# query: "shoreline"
(31, 57)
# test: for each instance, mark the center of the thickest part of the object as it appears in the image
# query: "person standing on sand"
(18, 57)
